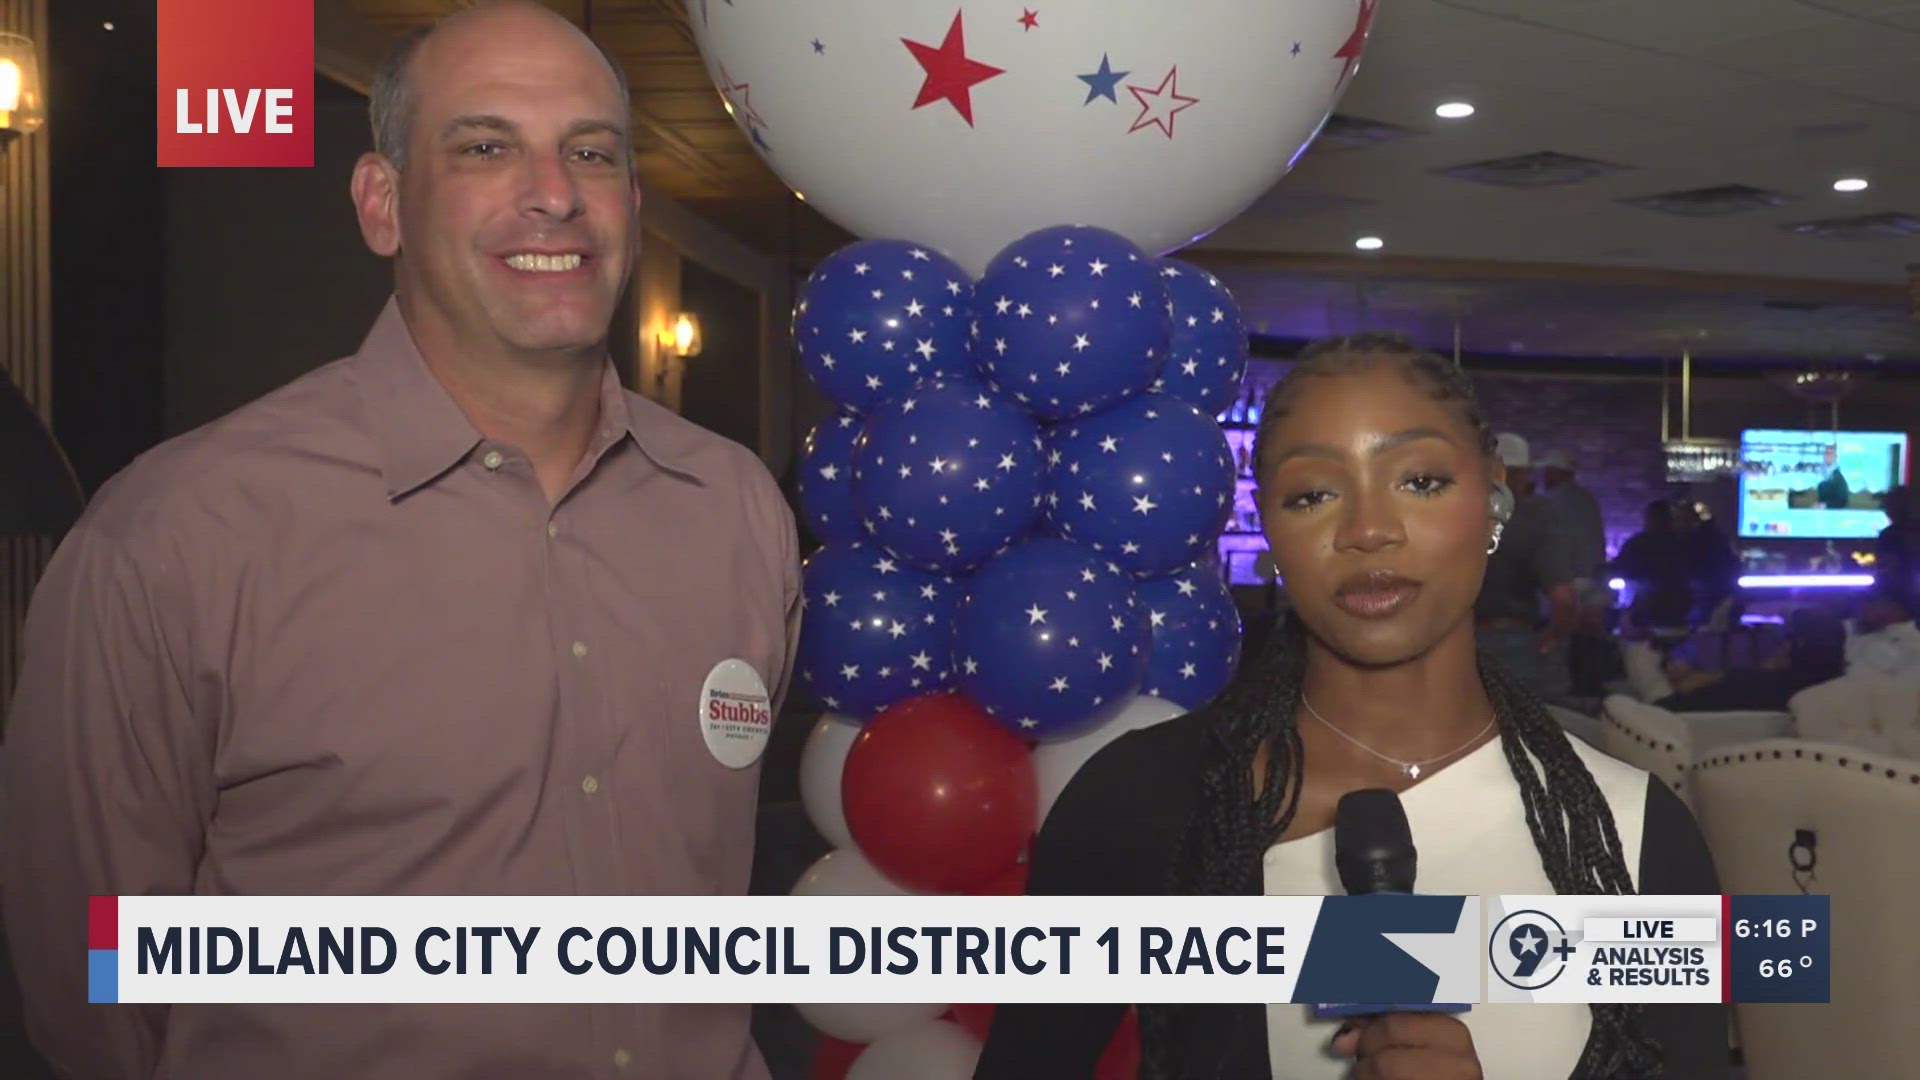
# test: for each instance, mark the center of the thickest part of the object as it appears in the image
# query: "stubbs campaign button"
(736, 717)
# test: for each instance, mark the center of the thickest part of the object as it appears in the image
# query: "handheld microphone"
(1374, 853)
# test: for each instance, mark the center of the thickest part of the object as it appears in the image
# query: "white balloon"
(1054, 763)
(932, 1051)
(1159, 121)
(821, 763)
(847, 873)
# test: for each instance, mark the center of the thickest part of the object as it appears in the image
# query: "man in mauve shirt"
(437, 618)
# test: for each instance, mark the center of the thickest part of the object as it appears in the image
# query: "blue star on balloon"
(1071, 319)
(1196, 635)
(1101, 83)
(1208, 353)
(818, 47)
(1050, 639)
(874, 631)
(878, 317)
(826, 480)
(1148, 483)
(948, 475)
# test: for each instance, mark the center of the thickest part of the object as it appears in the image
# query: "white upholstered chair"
(1760, 804)
(1649, 737)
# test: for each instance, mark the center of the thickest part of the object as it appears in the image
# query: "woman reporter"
(1380, 499)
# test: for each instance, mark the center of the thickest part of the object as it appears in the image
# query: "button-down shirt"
(340, 643)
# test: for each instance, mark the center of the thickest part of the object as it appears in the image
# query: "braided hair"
(1234, 824)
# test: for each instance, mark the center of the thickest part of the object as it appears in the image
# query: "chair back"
(1649, 737)
(1848, 817)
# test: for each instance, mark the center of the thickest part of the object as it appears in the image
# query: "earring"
(1493, 545)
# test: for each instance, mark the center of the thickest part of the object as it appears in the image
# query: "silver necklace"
(1410, 769)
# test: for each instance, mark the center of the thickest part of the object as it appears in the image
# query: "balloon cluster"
(1019, 500)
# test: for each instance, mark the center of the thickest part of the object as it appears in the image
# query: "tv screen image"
(1818, 485)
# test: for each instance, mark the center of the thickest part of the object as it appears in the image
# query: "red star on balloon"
(744, 104)
(1357, 41)
(1167, 103)
(1029, 18)
(951, 74)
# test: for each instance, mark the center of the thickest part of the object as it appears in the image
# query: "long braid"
(1220, 851)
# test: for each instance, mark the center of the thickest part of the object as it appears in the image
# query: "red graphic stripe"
(1726, 949)
(103, 922)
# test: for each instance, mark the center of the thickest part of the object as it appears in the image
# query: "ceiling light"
(1850, 183)
(1454, 110)
(1369, 243)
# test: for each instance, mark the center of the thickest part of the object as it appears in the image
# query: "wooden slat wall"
(26, 333)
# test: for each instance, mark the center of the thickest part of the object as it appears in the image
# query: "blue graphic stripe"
(103, 976)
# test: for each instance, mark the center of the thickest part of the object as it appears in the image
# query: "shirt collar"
(420, 432)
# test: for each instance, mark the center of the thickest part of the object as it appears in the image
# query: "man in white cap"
(1528, 605)
(1579, 514)
(1592, 655)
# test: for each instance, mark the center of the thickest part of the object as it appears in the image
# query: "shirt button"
(580, 650)
(590, 785)
(622, 1059)
(492, 460)
(553, 528)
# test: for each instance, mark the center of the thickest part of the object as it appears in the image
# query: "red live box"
(235, 83)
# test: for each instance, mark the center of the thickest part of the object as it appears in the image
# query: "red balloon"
(1121, 1061)
(939, 797)
(977, 1019)
(1009, 882)
(833, 1057)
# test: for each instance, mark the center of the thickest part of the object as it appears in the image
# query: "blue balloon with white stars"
(873, 631)
(1071, 319)
(826, 479)
(1208, 355)
(948, 475)
(1196, 635)
(1050, 639)
(878, 317)
(1148, 483)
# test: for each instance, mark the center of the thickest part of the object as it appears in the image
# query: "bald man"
(437, 618)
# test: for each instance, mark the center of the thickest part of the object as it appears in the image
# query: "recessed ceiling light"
(1369, 243)
(1850, 183)
(1454, 110)
(106, 26)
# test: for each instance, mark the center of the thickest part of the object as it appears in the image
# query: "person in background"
(1593, 656)
(1814, 652)
(1897, 550)
(431, 620)
(1834, 493)
(1882, 638)
(1579, 513)
(1713, 568)
(1654, 563)
(1528, 604)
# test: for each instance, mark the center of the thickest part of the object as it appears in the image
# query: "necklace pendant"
(1413, 772)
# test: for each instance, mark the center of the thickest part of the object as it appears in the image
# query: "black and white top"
(1112, 833)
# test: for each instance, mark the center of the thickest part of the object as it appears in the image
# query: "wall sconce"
(21, 106)
(682, 339)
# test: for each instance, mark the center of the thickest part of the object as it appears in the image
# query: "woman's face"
(1376, 507)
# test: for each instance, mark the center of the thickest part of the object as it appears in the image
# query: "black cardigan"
(1111, 834)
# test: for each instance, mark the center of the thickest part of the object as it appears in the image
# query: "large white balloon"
(847, 873)
(967, 127)
(821, 762)
(932, 1051)
(1054, 763)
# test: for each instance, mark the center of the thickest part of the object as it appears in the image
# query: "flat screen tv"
(1818, 485)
